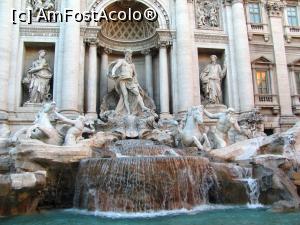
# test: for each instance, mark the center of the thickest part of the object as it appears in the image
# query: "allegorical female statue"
(123, 72)
(38, 79)
(211, 80)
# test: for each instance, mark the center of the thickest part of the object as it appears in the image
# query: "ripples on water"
(202, 215)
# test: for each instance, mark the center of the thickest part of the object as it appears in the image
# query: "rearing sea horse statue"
(190, 135)
(42, 129)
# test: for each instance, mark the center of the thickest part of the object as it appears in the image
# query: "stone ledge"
(34, 155)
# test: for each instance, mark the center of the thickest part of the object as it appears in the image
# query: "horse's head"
(196, 112)
(49, 107)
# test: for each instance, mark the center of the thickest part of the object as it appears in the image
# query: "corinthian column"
(275, 9)
(148, 71)
(184, 56)
(164, 80)
(103, 73)
(242, 56)
(92, 80)
(71, 62)
(5, 53)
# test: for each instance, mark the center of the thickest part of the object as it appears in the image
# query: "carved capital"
(275, 8)
(146, 51)
(107, 50)
(91, 41)
(91, 33)
(164, 38)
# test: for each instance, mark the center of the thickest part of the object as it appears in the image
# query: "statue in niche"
(219, 137)
(38, 5)
(130, 93)
(207, 14)
(38, 80)
(211, 79)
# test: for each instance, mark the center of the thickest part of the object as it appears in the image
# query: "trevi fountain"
(131, 163)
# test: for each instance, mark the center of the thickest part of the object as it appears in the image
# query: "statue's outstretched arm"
(211, 115)
(116, 66)
(64, 119)
(88, 130)
(237, 126)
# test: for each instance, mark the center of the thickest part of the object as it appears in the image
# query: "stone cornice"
(39, 31)
(231, 2)
(211, 38)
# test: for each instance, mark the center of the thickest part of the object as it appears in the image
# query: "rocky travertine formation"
(21, 192)
(33, 155)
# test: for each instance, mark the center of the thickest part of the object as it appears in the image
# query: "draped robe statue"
(211, 80)
(38, 79)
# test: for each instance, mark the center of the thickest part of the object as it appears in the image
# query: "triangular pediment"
(295, 63)
(262, 60)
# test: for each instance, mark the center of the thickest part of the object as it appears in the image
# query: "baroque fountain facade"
(157, 135)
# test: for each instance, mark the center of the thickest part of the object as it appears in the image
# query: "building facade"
(257, 41)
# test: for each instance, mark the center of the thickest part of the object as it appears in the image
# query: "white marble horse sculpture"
(42, 129)
(190, 135)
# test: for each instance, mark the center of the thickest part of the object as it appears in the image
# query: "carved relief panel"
(207, 14)
(37, 5)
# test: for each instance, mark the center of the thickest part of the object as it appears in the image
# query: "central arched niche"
(136, 35)
(128, 31)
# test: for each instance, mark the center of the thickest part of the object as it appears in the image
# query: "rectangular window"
(292, 15)
(297, 74)
(254, 11)
(262, 81)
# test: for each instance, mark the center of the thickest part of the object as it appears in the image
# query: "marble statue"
(251, 124)
(38, 79)
(78, 127)
(226, 121)
(207, 14)
(42, 128)
(5, 132)
(211, 80)
(124, 74)
(191, 135)
(37, 5)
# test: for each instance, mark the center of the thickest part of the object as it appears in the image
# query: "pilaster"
(275, 11)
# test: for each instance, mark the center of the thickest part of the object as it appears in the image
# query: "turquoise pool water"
(200, 216)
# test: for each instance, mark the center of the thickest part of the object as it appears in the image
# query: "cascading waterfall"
(252, 191)
(252, 186)
(145, 183)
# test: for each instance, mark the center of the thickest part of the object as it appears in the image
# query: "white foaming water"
(253, 192)
(153, 214)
